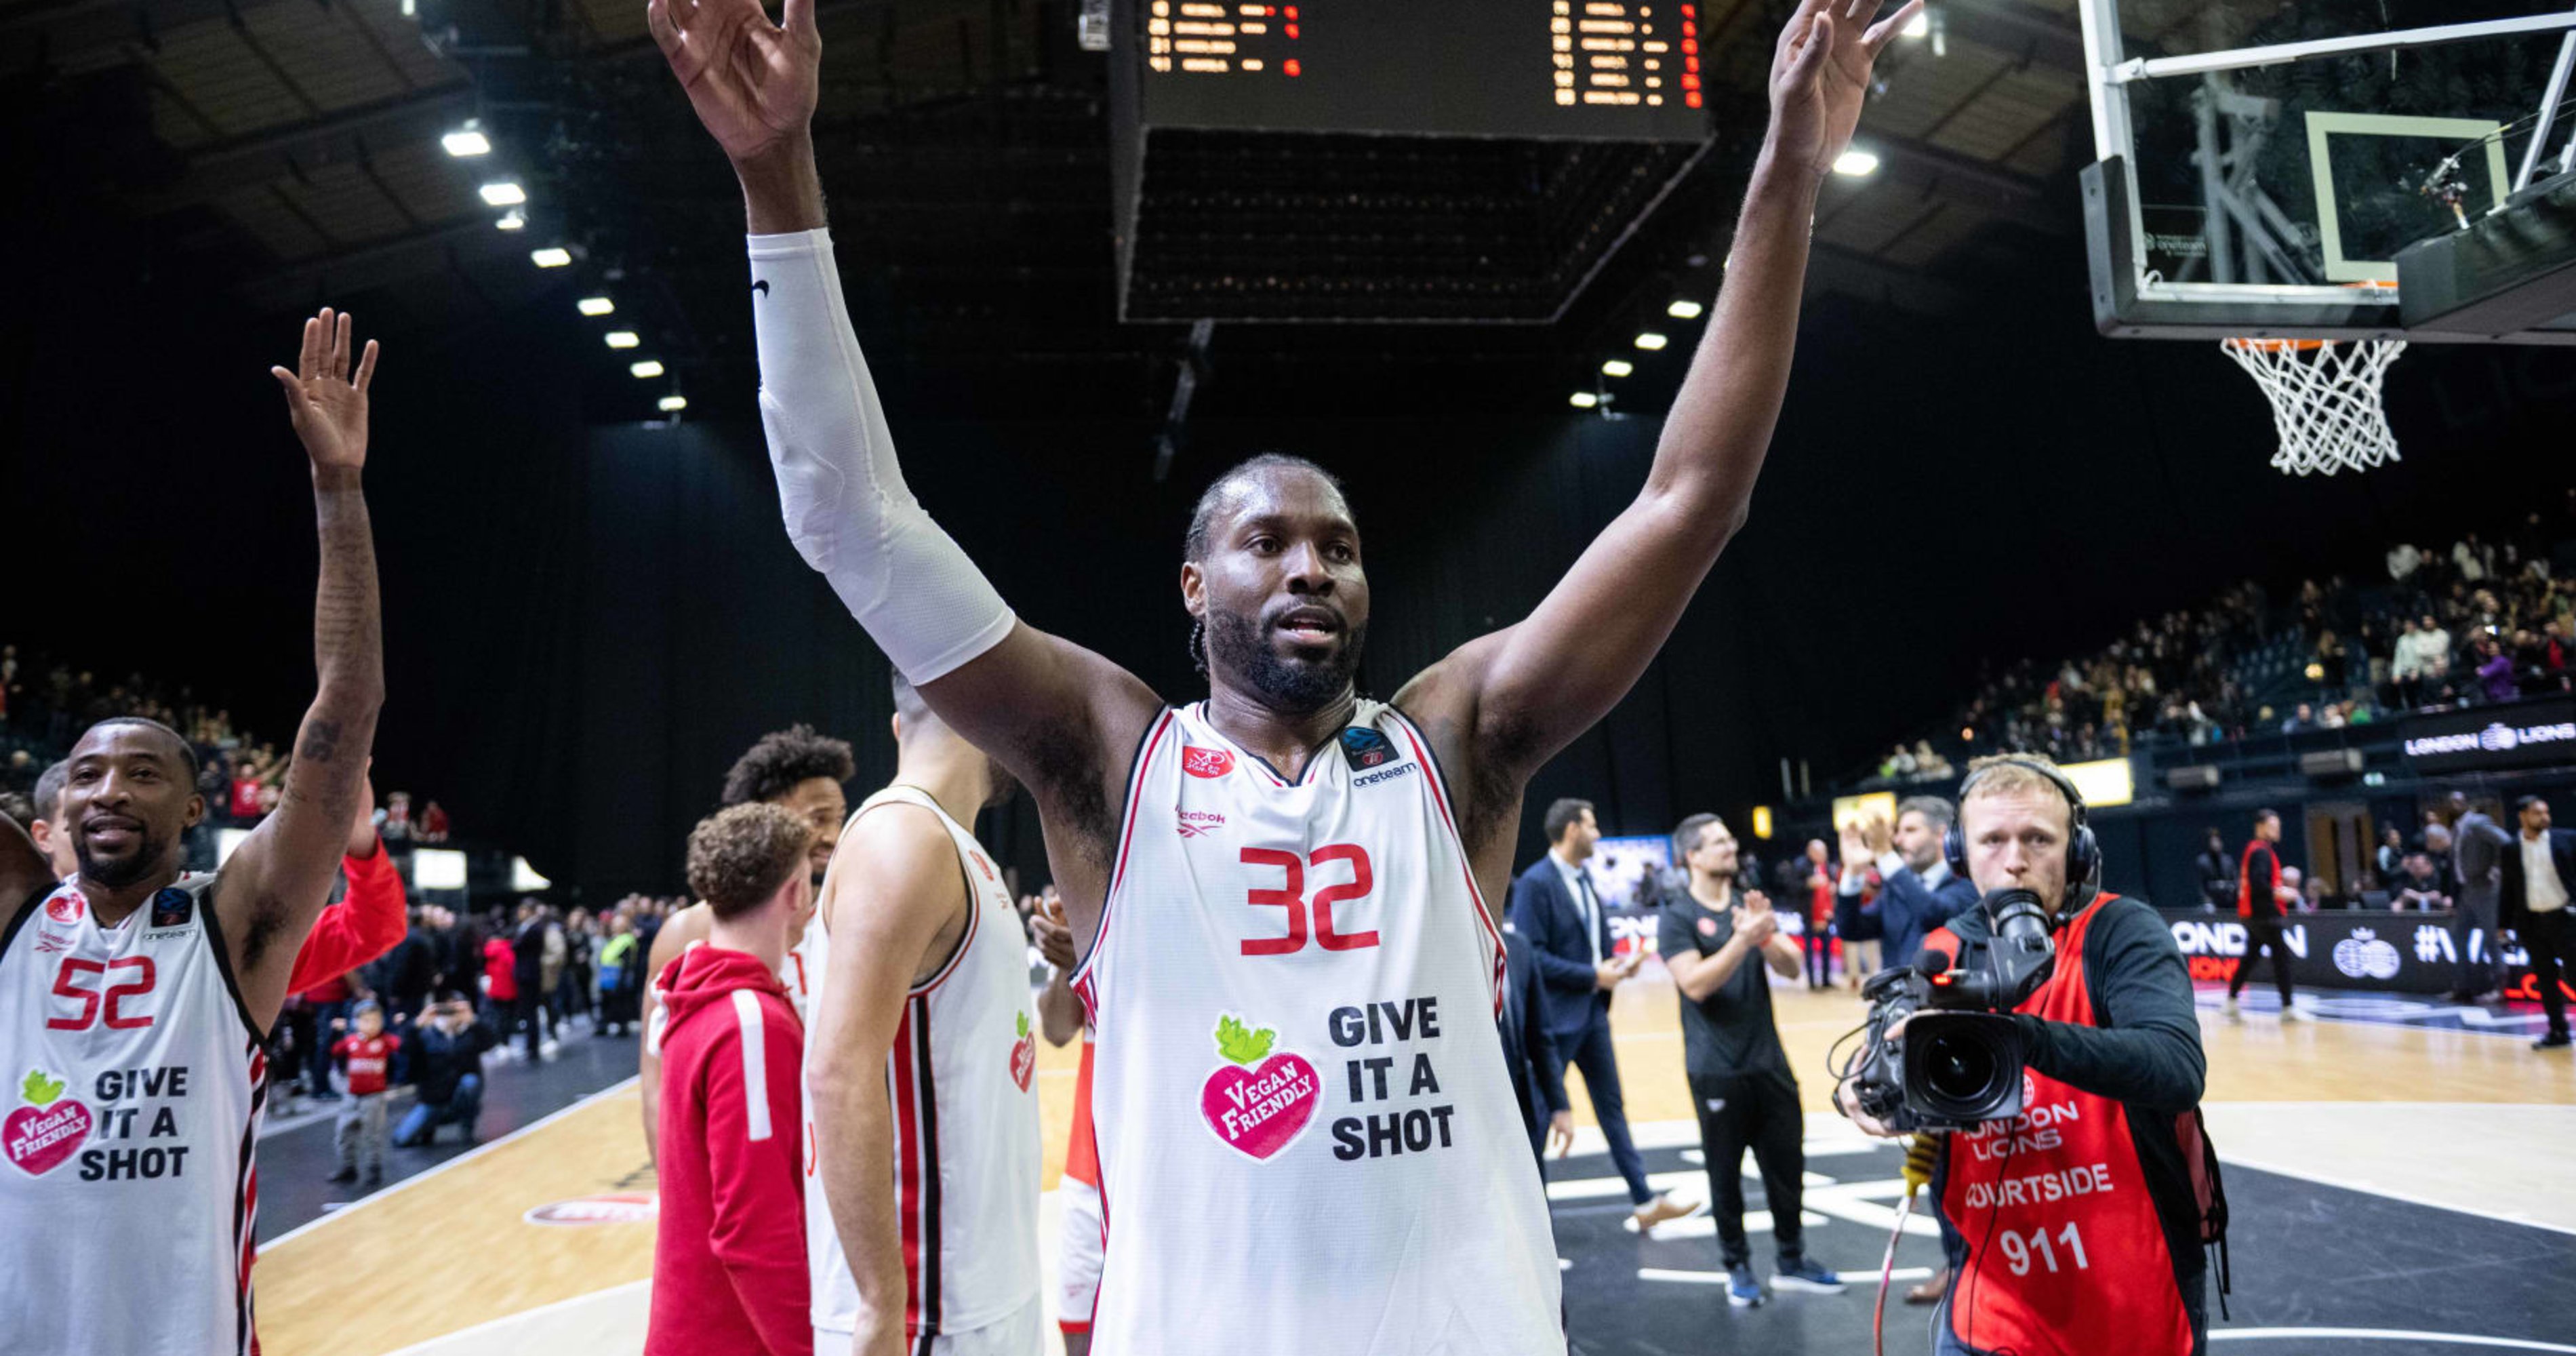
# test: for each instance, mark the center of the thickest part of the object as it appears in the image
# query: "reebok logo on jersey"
(1258, 1101)
(43, 1135)
(1200, 762)
(65, 907)
(982, 865)
(1024, 1056)
(1196, 823)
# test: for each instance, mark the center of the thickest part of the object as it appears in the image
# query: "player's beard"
(150, 851)
(1237, 645)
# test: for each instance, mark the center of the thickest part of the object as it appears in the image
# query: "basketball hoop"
(2325, 398)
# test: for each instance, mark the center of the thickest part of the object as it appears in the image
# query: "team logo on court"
(2363, 956)
(1024, 1055)
(624, 1207)
(1259, 1100)
(1200, 762)
(65, 907)
(1366, 748)
(43, 1134)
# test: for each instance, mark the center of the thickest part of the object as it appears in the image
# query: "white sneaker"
(2230, 1006)
(2294, 1015)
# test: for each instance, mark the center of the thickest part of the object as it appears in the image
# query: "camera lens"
(1959, 1067)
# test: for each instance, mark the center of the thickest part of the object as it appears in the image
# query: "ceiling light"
(467, 142)
(506, 193)
(513, 220)
(1856, 162)
(1651, 341)
(1685, 309)
(1919, 25)
(1617, 367)
(648, 369)
(622, 339)
(552, 256)
(596, 305)
(1583, 400)
(673, 404)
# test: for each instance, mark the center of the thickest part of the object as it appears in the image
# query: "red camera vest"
(2066, 1251)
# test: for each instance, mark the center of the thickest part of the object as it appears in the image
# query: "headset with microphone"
(2083, 853)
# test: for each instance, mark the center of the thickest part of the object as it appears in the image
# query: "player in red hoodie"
(729, 1274)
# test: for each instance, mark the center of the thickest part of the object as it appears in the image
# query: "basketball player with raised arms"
(921, 1193)
(134, 998)
(1307, 1136)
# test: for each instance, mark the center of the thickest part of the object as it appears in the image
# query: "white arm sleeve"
(847, 508)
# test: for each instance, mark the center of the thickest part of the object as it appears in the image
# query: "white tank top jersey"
(966, 1150)
(131, 1081)
(1308, 1139)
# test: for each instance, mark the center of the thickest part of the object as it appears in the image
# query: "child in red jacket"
(729, 1275)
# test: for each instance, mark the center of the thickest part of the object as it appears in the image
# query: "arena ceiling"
(287, 153)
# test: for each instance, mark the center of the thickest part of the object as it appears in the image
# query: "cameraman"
(2076, 1226)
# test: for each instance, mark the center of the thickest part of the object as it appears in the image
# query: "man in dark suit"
(1530, 1053)
(2479, 847)
(1917, 893)
(2539, 875)
(1555, 907)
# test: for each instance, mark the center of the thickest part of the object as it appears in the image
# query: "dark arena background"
(1086, 285)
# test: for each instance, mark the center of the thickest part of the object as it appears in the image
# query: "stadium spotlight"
(1617, 367)
(596, 305)
(647, 369)
(1917, 26)
(552, 256)
(1685, 309)
(504, 193)
(466, 141)
(673, 404)
(1583, 400)
(513, 220)
(1855, 163)
(1651, 341)
(623, 339)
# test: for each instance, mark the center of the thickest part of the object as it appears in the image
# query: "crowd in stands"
(2486, 620)
(45, 703)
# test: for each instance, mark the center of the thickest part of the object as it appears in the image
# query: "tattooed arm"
(277, 882)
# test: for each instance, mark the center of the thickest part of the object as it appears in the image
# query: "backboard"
(2333, 169)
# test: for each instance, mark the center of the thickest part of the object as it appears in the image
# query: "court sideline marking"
(435, 1169)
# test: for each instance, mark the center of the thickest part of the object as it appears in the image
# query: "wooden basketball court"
(2449, 1119)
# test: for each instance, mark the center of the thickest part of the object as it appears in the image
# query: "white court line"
(460, 1160)
(612, 1297)
(1719, 1277)
(2380, 1335)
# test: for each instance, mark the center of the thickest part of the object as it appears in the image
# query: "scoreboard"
(1609, 70)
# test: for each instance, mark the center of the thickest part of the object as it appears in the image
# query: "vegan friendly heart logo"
(42, 1135)
(1258, 1101)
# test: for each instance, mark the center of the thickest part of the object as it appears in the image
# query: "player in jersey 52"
(1308, 1140)
(921, 1195)
(134, 998)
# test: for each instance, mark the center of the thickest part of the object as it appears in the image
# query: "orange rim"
(2304, 345)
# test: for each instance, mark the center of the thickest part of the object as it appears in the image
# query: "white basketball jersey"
(966, 1153)
(1308, 1139)
(131, 1081)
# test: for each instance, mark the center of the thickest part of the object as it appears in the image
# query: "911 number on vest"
(1292, 897)
(2018, 1251)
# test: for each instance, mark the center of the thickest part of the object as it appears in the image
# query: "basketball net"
(2325, 398)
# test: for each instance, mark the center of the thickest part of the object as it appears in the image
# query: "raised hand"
(327, 406)
(752, 82)
(1820, 75)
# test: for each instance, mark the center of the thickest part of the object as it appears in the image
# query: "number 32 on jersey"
(1310, 918)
